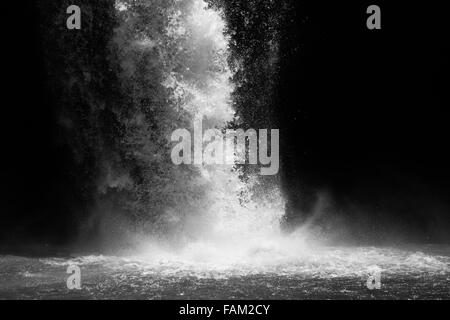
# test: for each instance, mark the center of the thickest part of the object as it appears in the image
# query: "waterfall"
(229, 220)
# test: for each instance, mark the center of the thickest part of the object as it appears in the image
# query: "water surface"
(325, 273)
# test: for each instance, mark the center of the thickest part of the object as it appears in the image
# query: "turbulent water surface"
(267, 273)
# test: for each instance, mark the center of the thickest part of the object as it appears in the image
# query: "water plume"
(227, 221)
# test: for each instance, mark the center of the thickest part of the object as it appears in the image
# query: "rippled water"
(319, 273)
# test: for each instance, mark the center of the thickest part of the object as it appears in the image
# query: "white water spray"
(223, 228)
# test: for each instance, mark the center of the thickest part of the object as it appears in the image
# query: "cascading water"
(225, 230)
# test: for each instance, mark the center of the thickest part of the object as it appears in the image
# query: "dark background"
(37, 198)
(364, 117)
(366, 113)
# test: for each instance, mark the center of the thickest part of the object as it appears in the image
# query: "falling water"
(227, 230)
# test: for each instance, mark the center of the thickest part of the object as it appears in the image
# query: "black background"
(365, 113)
(364, 116)
(278, 309)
